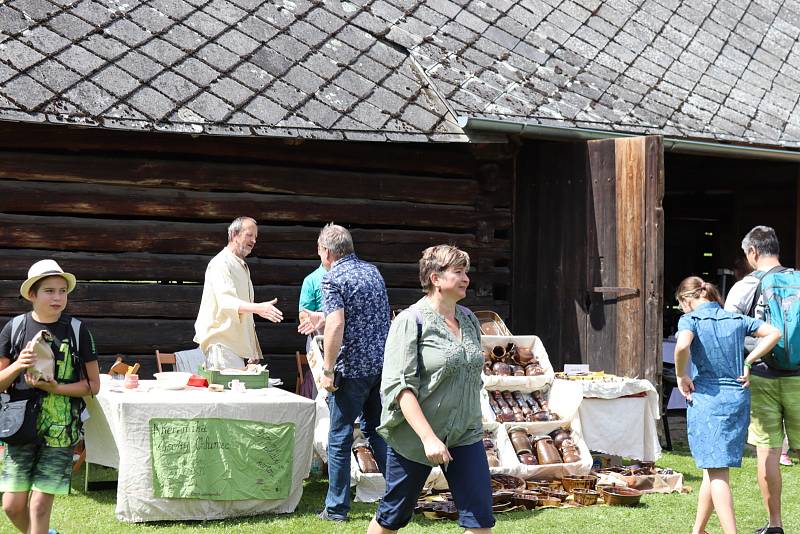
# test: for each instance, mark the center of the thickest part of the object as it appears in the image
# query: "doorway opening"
(709, 205)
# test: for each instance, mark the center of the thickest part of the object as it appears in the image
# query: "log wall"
(137, 216)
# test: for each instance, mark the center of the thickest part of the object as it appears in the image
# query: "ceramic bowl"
(570, 482)
(621, 496)
(527, 499)
(544, 483)
(509, 482)
(584, 496)
(172, 379)
(561, 495)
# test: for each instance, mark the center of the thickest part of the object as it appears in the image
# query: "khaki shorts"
(774, 405)
(36, 467)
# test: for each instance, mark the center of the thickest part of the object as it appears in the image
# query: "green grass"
(658, 514)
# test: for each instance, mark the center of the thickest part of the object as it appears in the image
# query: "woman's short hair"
(438, 259)
(764, 240)
(336, 239)
(695, 287)
(236, 226)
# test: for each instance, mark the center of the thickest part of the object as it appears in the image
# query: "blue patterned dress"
(719, 413)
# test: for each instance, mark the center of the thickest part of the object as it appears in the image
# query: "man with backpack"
(771, 292)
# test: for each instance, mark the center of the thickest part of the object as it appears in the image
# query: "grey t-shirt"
(740, 300)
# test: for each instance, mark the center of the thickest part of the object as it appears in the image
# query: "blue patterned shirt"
(357, 287)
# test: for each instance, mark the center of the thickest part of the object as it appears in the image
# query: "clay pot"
(487, 356)
(492, 459)
(501, 369)
(487, 369)
(524, 355)
(516, 370)
(559, 435)
(546, 451)
(519, 439)
(498, 353)
(570, 454)
(533, 369)
(366, 461)
(527, 458)
(487, 440)
(520, 400)
(542, 415)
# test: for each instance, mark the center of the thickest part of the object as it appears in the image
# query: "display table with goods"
(188, 452)
(619, 415)
(538, 434)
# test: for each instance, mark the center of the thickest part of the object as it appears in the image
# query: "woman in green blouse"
(431, 399)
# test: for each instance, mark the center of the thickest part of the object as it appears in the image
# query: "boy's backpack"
(781, 294)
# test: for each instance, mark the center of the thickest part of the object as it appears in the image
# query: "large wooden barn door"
(623, 318)
(588, 246)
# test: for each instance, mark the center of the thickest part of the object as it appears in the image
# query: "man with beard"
(225, 329)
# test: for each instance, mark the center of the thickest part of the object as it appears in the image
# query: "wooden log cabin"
(130, 137)
(137, 216)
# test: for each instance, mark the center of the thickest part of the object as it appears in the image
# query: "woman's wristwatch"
(327, 372)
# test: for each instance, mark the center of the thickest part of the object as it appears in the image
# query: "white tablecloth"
(118, 436)
(624, 427)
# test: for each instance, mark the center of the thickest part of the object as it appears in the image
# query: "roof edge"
(671, 144)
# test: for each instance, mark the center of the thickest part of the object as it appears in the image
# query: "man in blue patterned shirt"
(356, 325)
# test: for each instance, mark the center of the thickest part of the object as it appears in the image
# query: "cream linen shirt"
(227, 285)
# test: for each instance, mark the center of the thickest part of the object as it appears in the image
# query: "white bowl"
(172, 379)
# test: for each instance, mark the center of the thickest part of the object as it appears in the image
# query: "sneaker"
(325, 516)
(52, 531)
(766, 529)
(785, 460)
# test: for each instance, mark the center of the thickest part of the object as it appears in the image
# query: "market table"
(119, 434)
(615, 423)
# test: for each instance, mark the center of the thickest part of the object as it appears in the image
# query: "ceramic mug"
(131, 381)
(236, 386)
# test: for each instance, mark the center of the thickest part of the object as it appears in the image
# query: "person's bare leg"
(375, 528)
(704, 505)
(40, 507)
(769, 481)
(723, 499)
(15, 505)
(477, 531)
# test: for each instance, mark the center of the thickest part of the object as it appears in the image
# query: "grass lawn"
(658, 514)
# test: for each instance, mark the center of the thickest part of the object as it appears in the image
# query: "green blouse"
(442, 372)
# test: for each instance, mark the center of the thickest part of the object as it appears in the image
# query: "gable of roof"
(405, 69)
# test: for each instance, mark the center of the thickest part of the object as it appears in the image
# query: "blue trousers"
(355, 396)
(467, 477)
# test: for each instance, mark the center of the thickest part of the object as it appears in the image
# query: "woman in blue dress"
(716, 392)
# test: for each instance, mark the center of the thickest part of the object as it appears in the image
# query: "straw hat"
(43, 269)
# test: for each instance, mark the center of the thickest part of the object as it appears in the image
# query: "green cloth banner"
(221, 459)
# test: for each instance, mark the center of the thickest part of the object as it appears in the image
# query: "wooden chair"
(301, 360)
(121, 368)
(163, 358)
